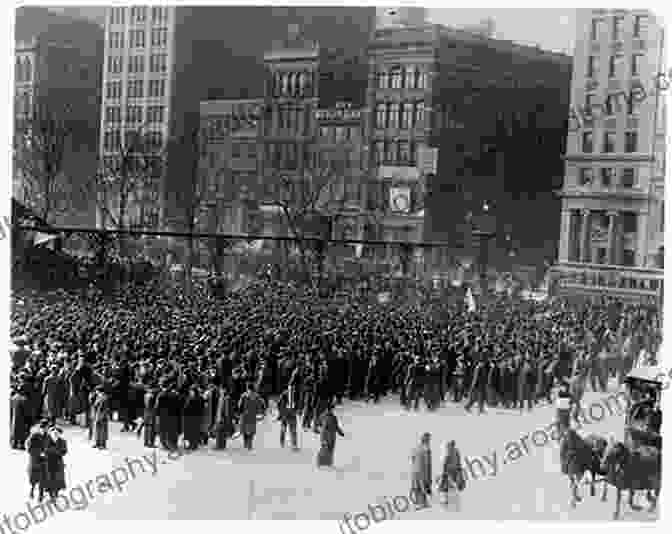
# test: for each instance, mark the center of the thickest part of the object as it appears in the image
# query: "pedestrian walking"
(451, 481)
(329, 430)
(421, 471)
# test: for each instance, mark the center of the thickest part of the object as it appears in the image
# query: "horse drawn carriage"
(633, 465)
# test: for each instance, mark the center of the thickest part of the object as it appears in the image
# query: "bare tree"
(315, 196)
(42, 135)
(126, 178)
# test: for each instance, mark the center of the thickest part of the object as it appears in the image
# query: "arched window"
(28, 72)
(18, 70)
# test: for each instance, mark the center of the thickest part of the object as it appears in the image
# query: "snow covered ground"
(372, 466)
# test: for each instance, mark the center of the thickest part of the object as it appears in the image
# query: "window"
(251, 151)
(159, 36)
(587, 142)
(588, 109)
(159, 15)
(393, 117)
(607, 174)
(616, 66)
(407, 116)
(609, 144)
(138, 14)
(341, 133)
(235, 150)
(113, 90)
(586, 176)
(629, 222)
(395, 78)
(116, 40)
(137, 38)
(421, 79)
(135, 89)
(117, 15)
(157, 63)
(381, 113)
(593, 64)
(595, 29)
(409, 78)
(413, 152)
(133, 114)
(390, 152)
(636, 64)
(112, 114)
(157, 88)
(634, 104)
(612, 105)
(155, 114)
(631, 142)
(136, 64)
(628, 257)
(639, 26)
(380, 152)
(619, 21)
(114, 64)
(111, 140)
(628, 177)
(404, 153)
(419, 114)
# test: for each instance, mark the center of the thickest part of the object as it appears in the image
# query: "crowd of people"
(205, 367)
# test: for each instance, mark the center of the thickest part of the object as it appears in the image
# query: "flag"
(41, 238)
(470, 301)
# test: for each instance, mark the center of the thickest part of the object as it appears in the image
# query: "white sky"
(552, 29)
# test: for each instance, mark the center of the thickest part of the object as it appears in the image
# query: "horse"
(579, 455)
(634, 469)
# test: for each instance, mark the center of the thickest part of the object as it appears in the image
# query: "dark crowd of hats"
(273, 335)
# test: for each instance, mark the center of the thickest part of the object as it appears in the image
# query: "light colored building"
(613, 194)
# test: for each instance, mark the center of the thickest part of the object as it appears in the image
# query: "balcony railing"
(614, 280)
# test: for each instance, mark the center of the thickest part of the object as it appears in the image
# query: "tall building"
(161, 62)
(613, 193)
(57, 77)
(495, 114)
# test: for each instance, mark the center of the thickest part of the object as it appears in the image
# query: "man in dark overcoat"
(20, 418)
(250, 405)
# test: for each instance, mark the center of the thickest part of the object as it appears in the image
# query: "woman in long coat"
(329, 429)
(101, 418)
(20, 418)
(451, 480)
(54, 473)
(35, 445)
(223, 419)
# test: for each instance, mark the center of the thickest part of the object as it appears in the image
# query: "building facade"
(58, 63)
(613, 192)
(159, 67)
(484, 107)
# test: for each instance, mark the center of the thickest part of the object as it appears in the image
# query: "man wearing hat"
(421, 471)
(329, 430)
(287, 415)
(20, 417)
(101, 418)
(249, 406)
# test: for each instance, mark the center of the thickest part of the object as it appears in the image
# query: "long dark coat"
(193, 418)
(329, 429)
(101, 417)
(35, 447)
(21, 418)
(54, 473)
(250, 406)
(223, 420)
